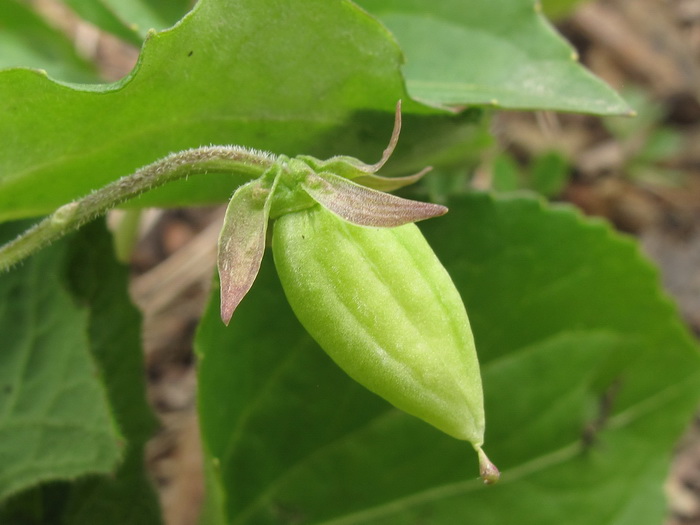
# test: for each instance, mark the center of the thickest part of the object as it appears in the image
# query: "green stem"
(69, 217)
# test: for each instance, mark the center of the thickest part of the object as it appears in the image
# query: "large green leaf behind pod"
(589, 379)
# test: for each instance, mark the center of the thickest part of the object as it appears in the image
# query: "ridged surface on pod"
(383, 307)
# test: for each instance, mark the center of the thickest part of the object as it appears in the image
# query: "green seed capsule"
(379, 302)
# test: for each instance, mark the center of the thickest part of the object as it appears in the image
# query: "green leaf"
(112, 325)
(661, 144)
(26, 40)
(267, 405)
(506, 174)
(549, 173)
(557, 9)
(55, 421)
(535, 274)
(223, 75)
(131, 19)
(100, 284)
(500, 53)
(589, 378)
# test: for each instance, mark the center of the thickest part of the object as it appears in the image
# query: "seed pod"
(379, 302)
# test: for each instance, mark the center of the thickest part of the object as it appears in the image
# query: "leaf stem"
(69, 217)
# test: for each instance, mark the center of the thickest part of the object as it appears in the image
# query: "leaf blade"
(189, 89)
(56, 422)
(100, 283)
(312, 447)
(503, 54)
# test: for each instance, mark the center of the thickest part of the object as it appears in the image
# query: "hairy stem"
(69, 217)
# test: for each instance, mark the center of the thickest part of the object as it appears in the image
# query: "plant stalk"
(69, 217)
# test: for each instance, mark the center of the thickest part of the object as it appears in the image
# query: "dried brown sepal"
(352, 168)
(364, 206)
(242, 242)
(389, 150)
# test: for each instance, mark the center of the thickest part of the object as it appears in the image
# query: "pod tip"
(487, 470)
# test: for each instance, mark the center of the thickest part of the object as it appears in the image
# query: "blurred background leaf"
(502, 54)
(27, 40)
(131, 19)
